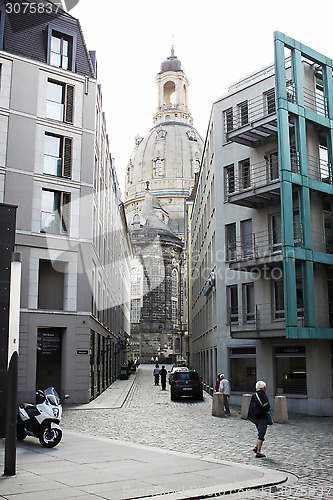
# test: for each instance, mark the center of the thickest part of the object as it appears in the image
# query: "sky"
(217, 41)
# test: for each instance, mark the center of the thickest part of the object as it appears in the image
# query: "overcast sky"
(217, 41)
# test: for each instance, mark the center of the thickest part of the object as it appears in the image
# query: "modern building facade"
(270, 234)
(71, 229)
(160, 175)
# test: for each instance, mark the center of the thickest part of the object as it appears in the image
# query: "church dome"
(172, 63)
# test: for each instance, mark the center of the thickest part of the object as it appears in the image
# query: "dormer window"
(161, 133)
(61, 48)
(191, 135)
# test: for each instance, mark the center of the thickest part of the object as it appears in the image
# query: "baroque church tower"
(159, 178)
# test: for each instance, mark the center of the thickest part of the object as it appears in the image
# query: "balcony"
(254, 122)
(320, 169)
(322, 240)
(265, 320)
(314, 100)
(254, 185)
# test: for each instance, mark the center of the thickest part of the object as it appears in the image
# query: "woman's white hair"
(260, 385)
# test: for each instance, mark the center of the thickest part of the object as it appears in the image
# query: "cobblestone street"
(302, 447)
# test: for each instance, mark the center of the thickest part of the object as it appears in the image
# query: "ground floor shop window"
(290, 368)
(243, 369)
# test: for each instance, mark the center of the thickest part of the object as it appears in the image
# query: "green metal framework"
(295, 110)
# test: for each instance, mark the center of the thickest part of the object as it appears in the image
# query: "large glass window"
(273, 165)
(232, 304)
(243, 113)
(269, 101)
(276, 232)
(230, 241)
(243, 369)
(61, 50)
(248, 303)
(246, 238)
(278, 312)
(158, 167)
(135, 282)
(290, 366)
(135, 311)
(229, 179)
(60, 101)
(57, 155)
(244, 174)
(55, 212)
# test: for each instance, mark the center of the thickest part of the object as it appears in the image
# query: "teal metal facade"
(291, 110)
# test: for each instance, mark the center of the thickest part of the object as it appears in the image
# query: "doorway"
(49, 348)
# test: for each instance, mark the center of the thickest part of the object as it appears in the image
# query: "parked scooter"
(42, 420)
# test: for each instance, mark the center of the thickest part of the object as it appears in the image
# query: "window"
(135, 311)
(229, 179)
(61, 48)
(269, 101)
(55, 212)
(196, 165)
(297, 228)
(248, 303)
(60, 101)
(135, 282)
(230, 241)
(232, 304)
(276, 233)
(290, 369)
(228, 120)
(174, 296)
(324, 164)
(244, 174)
(136, 222)
(2, 25)
(157, 167)
(243, 369)
(50, 286)
(58, 156)
(273, 165)
(246, 238)
(191, 135)
(161, 133)
(243, 109)
(174, 311)
(278, 302)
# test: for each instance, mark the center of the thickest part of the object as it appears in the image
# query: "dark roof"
(172, 63)
(25, 35)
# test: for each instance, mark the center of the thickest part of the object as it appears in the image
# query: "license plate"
(187, 388)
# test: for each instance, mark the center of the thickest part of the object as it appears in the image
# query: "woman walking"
(259, 406)
(156, 373)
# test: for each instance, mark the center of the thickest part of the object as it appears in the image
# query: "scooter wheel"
(49, 437)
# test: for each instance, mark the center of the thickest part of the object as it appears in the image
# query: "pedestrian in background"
(259, 406)
(218, 380)
(156, 373)
(224, 388)
(163, 375)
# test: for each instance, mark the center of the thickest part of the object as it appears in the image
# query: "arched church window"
(135, 282)
(158, 167)
(196, 165)
(174, 296)
(136, 222)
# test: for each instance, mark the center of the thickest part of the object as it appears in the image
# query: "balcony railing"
(315, 101)
(322, 240)
(320, 169)
(260, 318)
(261, 246)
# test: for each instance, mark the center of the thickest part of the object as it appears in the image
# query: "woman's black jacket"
(255, 408)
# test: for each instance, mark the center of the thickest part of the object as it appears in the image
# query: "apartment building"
(266, 237)
(55, 165)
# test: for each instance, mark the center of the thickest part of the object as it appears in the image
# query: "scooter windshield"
(52, 396)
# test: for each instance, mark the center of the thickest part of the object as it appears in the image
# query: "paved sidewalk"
(82, 466)
(89, 467)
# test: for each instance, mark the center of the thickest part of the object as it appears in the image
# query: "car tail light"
(175, 381)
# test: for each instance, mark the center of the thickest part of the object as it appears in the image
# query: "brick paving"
(148, 416)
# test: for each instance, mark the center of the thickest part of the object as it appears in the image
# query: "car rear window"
(186, 376)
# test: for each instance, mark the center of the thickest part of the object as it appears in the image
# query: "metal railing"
(256, 175)
(320, 169)
(254, 109)
(322, 239)
(315, 101)
(266, 316)
(261, 245)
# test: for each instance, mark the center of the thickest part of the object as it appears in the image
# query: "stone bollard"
(280, 410)
(218, 405)
(246, 399)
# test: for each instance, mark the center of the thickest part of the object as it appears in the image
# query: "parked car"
(186, 383)
(176, 369)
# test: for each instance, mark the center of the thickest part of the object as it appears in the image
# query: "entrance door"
(49, 347)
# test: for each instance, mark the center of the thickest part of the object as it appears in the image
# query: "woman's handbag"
(269, 418)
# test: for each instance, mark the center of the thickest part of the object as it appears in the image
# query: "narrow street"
(148, 416)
